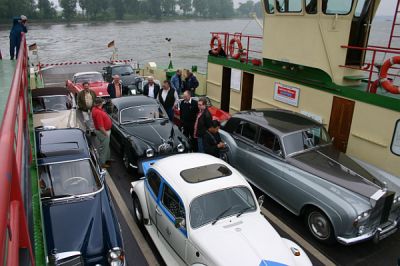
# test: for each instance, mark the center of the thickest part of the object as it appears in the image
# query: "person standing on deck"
(114, 89)
(189, 110)
(212, 140)
(191, 83)
(19, 26)
(176, 82)
(168, 99)
(202, 124)
(102, 124)
(151, 89)
(85, 101)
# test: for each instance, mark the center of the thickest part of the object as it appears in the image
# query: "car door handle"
(158, 211)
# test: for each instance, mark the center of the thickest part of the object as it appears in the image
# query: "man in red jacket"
(102, 124)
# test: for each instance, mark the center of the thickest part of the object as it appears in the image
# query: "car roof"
(61, 145)
(170, 168)
(281, 121)
(86, 73)
(119, 65)
(49, 91)
(129, 101)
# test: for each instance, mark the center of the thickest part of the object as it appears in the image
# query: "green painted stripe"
(312, 78)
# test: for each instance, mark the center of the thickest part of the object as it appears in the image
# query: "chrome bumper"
(377, 234)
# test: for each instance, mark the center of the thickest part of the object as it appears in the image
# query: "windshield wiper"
(244, 210)
(221, 215)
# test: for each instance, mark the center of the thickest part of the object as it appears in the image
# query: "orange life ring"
(215, 50)
(232, 48)
(385, 82)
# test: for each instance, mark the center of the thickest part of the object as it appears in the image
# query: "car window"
(51, 103)
(230, 201)
(92, 77)
(125, 70)
(269, 140)
(247, 130)
(171, 201)
(140, 113)
(306, 139)
(154, 182)
(68, 178)
(114, 113)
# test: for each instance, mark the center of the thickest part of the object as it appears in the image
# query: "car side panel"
(139, 189)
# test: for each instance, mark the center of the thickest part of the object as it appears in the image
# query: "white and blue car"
(198, 210)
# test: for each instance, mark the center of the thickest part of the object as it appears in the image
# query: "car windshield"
(67, 179)
(141, 113)
(304, 140)
(216, 205)
(122, 70)
(92, 77)
(51, 103)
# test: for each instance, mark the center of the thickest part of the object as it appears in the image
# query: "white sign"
(396, 139)
(286, 94)
(236, 79)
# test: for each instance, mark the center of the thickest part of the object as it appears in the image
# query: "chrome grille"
(71, 261)
(387, 206)
(165, 148)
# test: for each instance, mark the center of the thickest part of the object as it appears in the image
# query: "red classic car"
(96, 83)
(217, 114)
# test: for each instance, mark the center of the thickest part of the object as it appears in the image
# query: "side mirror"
(180, 222)
(260, 200)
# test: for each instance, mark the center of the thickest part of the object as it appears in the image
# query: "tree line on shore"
(126, 9)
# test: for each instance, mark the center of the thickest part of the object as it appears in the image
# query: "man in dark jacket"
(115, 89)
(168, 99)
(19, 26)
(189, 109)
(191, 83)
(212, 140)
(202, 124)
(85, 101)
(151, 89)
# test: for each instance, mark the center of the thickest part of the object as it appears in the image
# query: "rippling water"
(142, 41)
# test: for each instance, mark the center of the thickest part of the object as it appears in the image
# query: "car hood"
(247, 240)
(60, 119)
(152, 133)
(81, 225)
(99, 87)
(128, 80)
(338, 168)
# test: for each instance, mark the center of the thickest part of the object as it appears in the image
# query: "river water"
(144, 41)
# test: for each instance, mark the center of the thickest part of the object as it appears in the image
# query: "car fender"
(138, 189)
(231, 143)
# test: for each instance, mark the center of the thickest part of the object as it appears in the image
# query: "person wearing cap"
(115, 89)
(212, 140)
(19, 26)
(102, 125)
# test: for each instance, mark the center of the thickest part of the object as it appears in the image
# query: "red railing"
(247, 41)
(375, 56)
(14, 140)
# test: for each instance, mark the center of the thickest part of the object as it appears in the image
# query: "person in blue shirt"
(176, 82)
(19, 26)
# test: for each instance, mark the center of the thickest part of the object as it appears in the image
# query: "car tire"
(320, 226)
(137, 211)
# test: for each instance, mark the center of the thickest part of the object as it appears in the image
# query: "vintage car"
(290, 157)
(141, 129)
(203, 212)
(128, 75)
(80, 223)
(54, 107)
(217, 114)
(96, 83)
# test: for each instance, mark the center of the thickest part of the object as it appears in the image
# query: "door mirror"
(180, 222)
(260, 200)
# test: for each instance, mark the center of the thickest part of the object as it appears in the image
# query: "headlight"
(361, 217)
(149, 152)
(116, 257)
(181, 147)
(396, 200)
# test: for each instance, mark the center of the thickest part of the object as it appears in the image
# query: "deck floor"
(7, 68)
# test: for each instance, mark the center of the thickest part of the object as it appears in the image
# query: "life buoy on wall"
(232, 48)
(215, 50)
(385, 82)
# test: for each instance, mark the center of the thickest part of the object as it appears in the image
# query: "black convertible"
(141, 130)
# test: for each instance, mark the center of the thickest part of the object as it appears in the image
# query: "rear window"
(204, 173)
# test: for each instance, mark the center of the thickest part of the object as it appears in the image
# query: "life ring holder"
(215, 50)
(232, 48)
(383, 75)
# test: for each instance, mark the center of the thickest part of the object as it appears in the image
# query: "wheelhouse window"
(395, 147)
(154, 182)
(219, 204)
(51, 103)
(359, 8)
(285, 6)
(92, 77)
(305, 140)
(311, 6)
(141, 113)
(247, 130)
(171, 201)
(270, 141)
(340, 7)
(68, 179)
(269, 6)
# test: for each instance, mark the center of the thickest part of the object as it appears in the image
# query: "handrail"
(14, 138)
